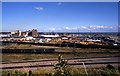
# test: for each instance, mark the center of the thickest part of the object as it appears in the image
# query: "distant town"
(51, 37)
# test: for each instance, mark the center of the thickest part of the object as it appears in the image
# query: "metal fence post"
(85, 68)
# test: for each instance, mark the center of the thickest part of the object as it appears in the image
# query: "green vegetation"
(25, 46)
(70, 72)
(63, 69)
(58, 49)
(24, 57)
(74, 52)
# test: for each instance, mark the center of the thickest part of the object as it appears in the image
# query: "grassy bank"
(74, 52)
(71, 72)
(23, 57)
(62, 68)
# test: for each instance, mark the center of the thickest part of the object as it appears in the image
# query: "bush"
(110, 66)
(61, 67)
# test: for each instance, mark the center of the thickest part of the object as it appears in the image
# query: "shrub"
(61, 67)
(110, 66)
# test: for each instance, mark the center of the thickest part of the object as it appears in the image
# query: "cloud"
(39, 8)
(82, 28)
(52, 29)
(66, 28)
(59, 3)
(100, 27)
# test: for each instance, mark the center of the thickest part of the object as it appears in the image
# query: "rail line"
(53, 65)
(55, 59)
(50, 63)
(51, 51)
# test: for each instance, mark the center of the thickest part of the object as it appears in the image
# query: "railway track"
(71, 61)
(73, 64)
(55, 59)
(51, 51)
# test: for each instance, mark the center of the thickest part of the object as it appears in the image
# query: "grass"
(69, 71)
(72, 72)
(74, 53)
(58, 49)
(23, 57)
(25, 46)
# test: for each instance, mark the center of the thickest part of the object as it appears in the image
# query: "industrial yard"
(38, 53)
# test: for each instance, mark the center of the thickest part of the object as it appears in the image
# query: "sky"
(60, 0)
(60, 16)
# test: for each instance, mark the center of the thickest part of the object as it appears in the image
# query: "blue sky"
(60, 16)
(60, 0)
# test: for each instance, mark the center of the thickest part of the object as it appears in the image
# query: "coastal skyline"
(60, 16)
